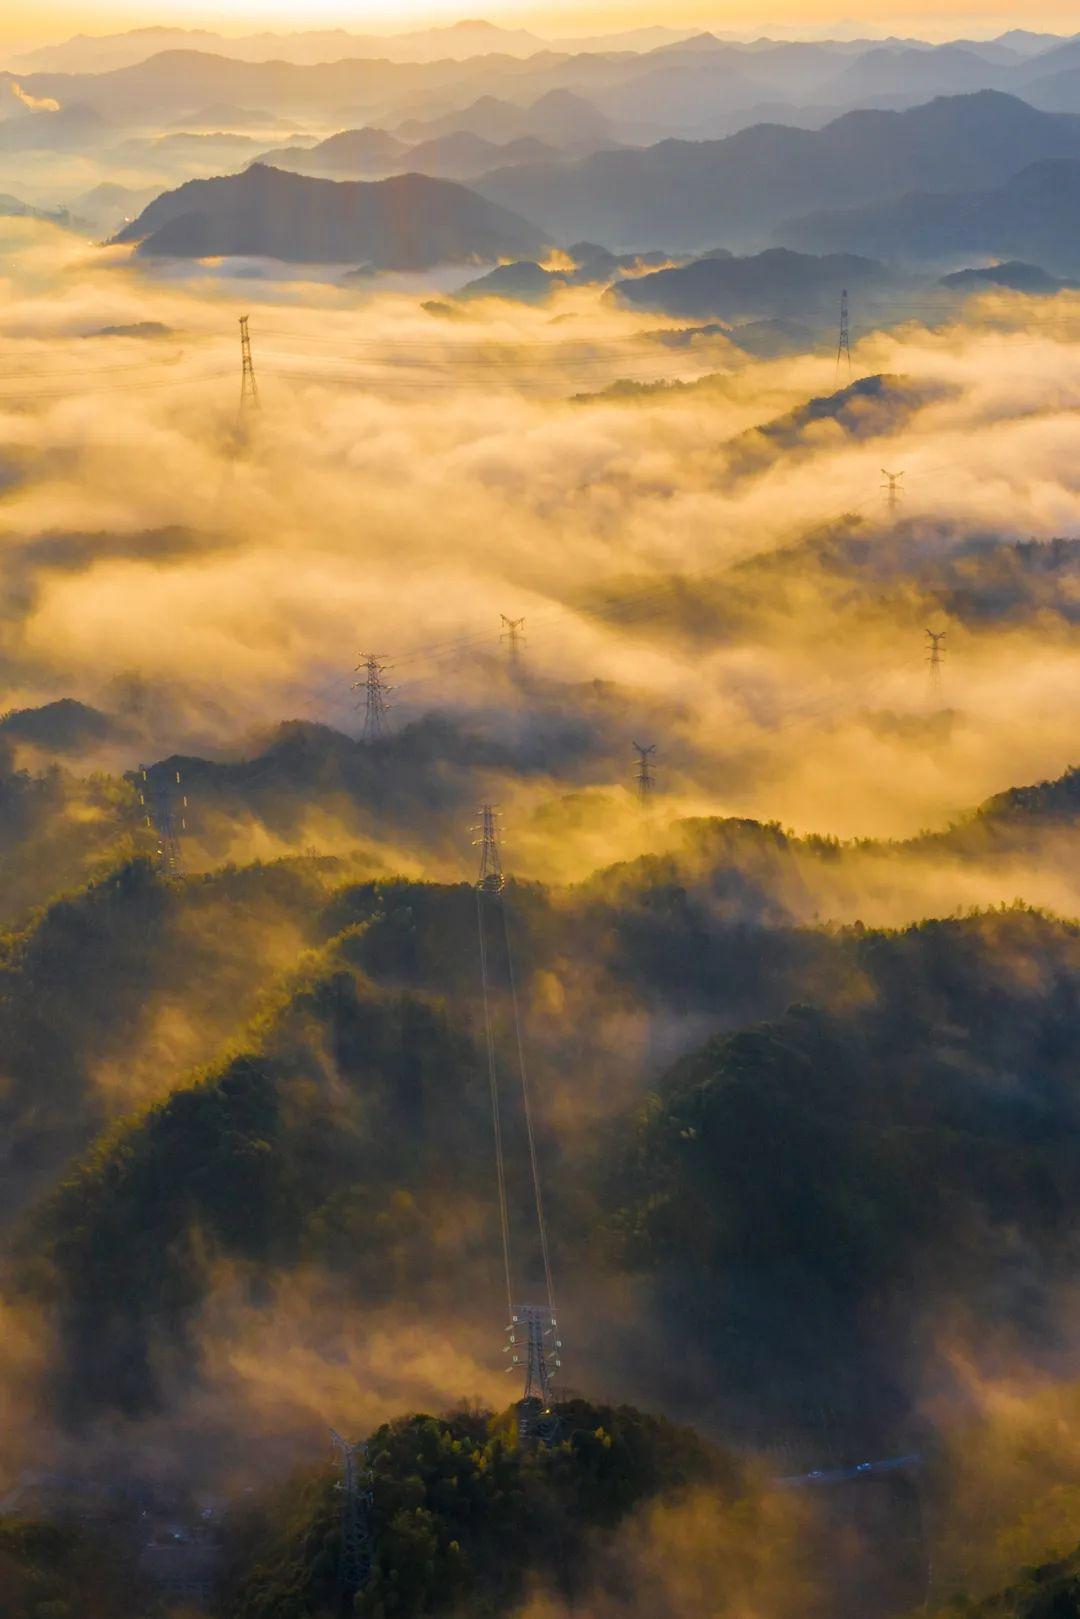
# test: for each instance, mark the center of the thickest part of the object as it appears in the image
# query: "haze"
(539, 814)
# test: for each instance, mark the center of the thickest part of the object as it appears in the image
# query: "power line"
(610, 608)
(490, 882)
(615, 606)
(532, 1343)
(481, 361)
(142, 386)
(893, 490)
(526, 1105)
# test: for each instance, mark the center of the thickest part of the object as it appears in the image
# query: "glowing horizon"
(57, 20)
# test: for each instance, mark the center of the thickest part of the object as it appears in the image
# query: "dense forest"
(785, 1155)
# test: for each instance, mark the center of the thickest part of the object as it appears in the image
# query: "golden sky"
(56, 19)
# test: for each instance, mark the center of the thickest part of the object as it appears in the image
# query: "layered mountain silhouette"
(348, 91)
(350, 154)
(64, 726)
(559, 117)
(14, 208)
(406, 223)
(525, 281)
(1036, 212)
(653, 84)
(67, 129)
(773, 283)
(918, 72)
(465, 156)
(687, 194)
(174, 81)
(358, 154)
(88, 53)
(1013, 276)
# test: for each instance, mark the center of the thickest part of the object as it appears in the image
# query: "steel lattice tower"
(490, 878)
(356, 1512)
(892, 488)
(512, 634)
(843, 347)
(646, 781)
(167, 818)
(374, 688)
(531, 1326)
(935, 654)
(249, 388)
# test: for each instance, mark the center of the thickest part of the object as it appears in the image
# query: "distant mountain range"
(879, 185)
(1013, 276)
(559, 116)
(1034, 213)
(410, 222)
(770, 303)
(698, 87)
(170, 84)
(525, 281)
(72, 128)
(14, 208)
(774, 283)
(488, 134)
(107, 208)
(88, 53)
(350, 154)
(742, 189)
(463, 156)
(697, 84)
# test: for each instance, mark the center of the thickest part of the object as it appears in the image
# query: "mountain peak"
(409, 221)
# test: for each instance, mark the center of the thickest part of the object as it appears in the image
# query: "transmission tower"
(532, 1332)
(646, 781)
(935, 655)
(374, 689)
(249, 388)
(892, 489)
(843, 347)
(490, 879)
(512, 634)
(530, 1329)
(166, 816)
(354, 1569)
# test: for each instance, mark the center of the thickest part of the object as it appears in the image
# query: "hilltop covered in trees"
(462, 1516)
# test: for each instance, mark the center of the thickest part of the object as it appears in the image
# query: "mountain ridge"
(1032, 214)
(687, 194)
(407, 221)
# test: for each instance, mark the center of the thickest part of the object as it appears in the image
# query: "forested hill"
(463, 1521)
(797, 1146)
(782, 1188)
(463, 1517)
(841, 1182)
